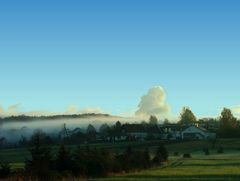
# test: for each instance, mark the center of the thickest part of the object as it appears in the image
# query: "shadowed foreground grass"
(21, 154)
(200, 167)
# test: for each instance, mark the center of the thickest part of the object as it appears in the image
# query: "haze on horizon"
(127, 58)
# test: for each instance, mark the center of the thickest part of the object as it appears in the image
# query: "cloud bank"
(153, 103)
(74, 109)
(15, 110)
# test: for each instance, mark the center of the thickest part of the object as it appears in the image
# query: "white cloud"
(74, 109)
(91, 110)
(236, 109)
(153, 103)
(15, 110)
(1, 110)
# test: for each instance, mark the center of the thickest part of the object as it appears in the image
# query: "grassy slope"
(200, 167)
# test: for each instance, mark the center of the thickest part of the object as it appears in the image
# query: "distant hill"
(24, 118)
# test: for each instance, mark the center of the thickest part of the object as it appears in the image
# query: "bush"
(147, 159)
(5, 170)
(187, 155)
(95, 168)
(161, 155)
(220, 150)
(79, 160)
(40, 166)
(206, 151)
(132, 160)
(126, 159)
(64, 160)
(175, 154)
(96, 165)
(140, 160)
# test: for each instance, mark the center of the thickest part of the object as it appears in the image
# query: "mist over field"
(13, 130)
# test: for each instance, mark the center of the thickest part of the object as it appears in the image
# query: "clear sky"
(107, 54)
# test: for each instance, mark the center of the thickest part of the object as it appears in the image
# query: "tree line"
(226, 126)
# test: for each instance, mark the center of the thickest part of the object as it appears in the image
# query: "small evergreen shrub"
(187, 155)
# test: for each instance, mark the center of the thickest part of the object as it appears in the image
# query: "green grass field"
(215, 166)
(200, 167)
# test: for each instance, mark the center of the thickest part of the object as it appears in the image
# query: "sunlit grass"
(200, 167)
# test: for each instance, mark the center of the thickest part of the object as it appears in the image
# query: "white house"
(194, 132)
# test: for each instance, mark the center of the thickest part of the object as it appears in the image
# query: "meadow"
(215, 166)
(200, 167)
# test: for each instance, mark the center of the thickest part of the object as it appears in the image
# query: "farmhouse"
(142, 132)
(195, 132)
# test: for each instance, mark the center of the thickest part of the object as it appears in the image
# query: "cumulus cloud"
(153, 103)
(236, 109)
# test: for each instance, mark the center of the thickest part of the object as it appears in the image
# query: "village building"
(142, 132)
(192, 132)
(196, 132)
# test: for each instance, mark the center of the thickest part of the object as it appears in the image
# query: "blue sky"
(108, 54)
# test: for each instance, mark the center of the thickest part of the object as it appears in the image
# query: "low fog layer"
(14, 130)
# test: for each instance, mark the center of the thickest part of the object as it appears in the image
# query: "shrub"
(187, 155)
(5, 170)
(95, 164)
(79, 160)
(132, 160)
(220, 150)
(39, 167)
(95, 168)
(175, 154)
(147, 159)
(161, 155)
(206, 151)
(64, 160)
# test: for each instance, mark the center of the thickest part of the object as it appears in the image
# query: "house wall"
(139, 134)
(198, 132)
